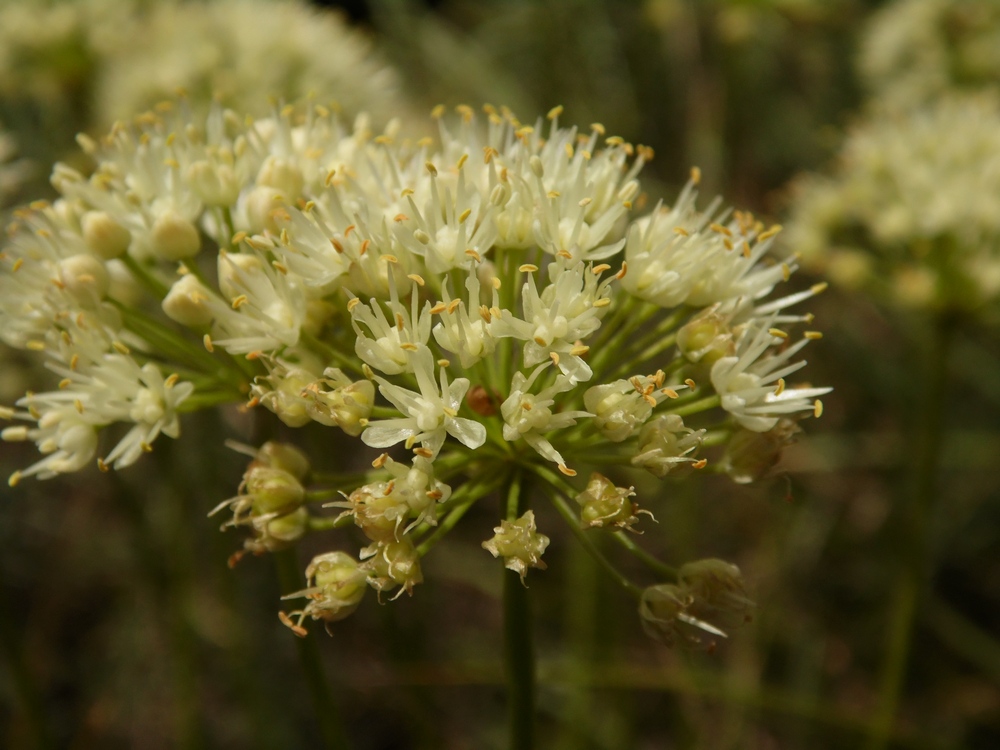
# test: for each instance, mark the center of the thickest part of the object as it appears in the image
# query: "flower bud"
(750, 456)
(273, 491)
(173, 237)
(284, 457)
(234, 271)
(390, 564)
(705, 338)
(603, 504)
(278, 533)
(261, 203)
(519, 544)
(187, 302)
(283, 175)
(213, 183)
(104, 236)
(85, 277)
(348, 405)
(665, 443)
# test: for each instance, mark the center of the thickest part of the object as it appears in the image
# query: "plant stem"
(914, 525)
(519, 655)
(327, 712)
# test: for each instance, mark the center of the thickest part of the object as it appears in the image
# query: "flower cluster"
(81, 64)
(480, 309)
(914, 51)
(922, 190)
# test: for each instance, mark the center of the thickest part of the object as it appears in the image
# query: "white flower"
(752, 386)
(466, 329)
(568, 309)
(388, 346)
(528, 415)
(621, 407)
(432, 413)
(682, 256)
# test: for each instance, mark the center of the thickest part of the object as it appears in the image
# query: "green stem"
(914, 527)
(683, 409)
(145, 276)
(519, 656)
(327, 711)
(667, 571)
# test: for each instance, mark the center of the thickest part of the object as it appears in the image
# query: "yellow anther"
(554, 356)
(473, 254)
(431, 169)
(812, 335)
(239, 301)
(409, 346)
(555, 112)
(438, 112)
(690, 384)
(461, 161)
(496, 282)
(818, 409)
(579, 350)
(624, 270)
(439, 308)
(695, 175)
(400, 322)
(352, 303)
(780, 387)
(464, 215)
(700, 464)
(598, 270)
(777, 332)
(527, 268)
(597, 128)
(566, 470)
(602, 302)
(425, 453)
(400, 217)
(682, 232)
(416, 277)
(207, 341)
(453, 305)
(444, 363)
(720, 229)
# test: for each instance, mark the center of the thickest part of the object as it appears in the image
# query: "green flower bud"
(285, 457)
(717, 592)
(273, 491)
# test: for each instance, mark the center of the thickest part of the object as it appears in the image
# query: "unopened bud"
(278, 533)
(284, 457)
(717, 592)
(282, 175)
(174, 237)
(519, 544)
(273, 490)
(85, 277)
(104, 236)
(705, 339)
(215, 184)
(187, 302)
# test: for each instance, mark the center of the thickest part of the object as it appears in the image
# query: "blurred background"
(871, 548)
